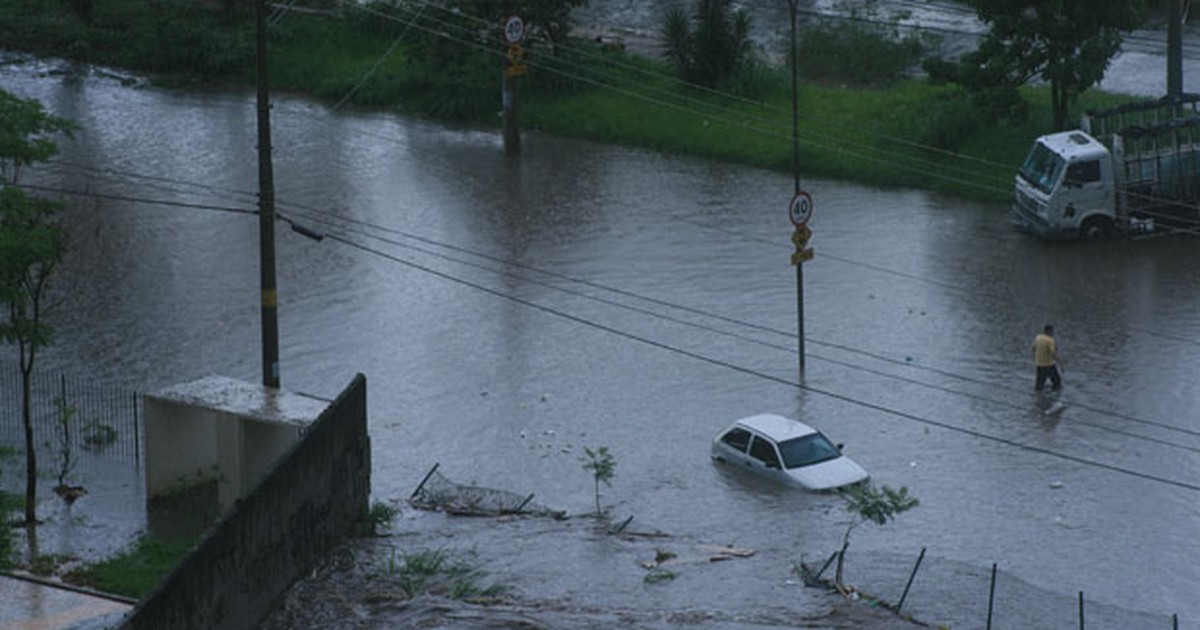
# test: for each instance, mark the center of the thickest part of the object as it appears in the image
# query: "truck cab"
(1065, 188)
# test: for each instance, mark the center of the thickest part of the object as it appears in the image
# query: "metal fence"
(938, 590)
(96, 417)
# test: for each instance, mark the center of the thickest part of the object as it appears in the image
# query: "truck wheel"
(1095, 227)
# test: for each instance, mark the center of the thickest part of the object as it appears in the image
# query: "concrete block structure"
(221, 430)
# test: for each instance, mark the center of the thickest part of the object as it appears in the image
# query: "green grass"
(438, 572)
(134, 572)
(909, 133)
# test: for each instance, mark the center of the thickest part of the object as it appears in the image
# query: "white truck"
(1126, 170)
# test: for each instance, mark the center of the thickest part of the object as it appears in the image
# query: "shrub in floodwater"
(97, 435)
(871, 504)
(437, 573)
(659, 575)
(379, 516)
(603, 467)
(64, 413)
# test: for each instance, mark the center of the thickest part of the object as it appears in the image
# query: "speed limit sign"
(514, 29)
(801, 209)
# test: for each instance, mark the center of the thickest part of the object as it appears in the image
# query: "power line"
(738, 118)
(766, 126)
(156, 202)
(321, 216)
(345, 240)
(784, 334)
(764, 376)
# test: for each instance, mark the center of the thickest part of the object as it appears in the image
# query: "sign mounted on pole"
(512, 61)
(801, 209)
(514, 30)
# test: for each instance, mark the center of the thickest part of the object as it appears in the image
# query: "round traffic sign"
(801, 208)
(514, 29)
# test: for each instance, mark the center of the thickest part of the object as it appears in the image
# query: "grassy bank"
(910, 133)
(134, 572)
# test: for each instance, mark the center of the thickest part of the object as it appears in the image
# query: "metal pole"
(1080, 610)
(512, 135)
(1175, 49)
(137, 437)
(910, 580)
(991, 597)
(266, 209)
(796, 180)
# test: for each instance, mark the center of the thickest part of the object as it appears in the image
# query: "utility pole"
(801, 206)
(1175, 49)
(266, 209)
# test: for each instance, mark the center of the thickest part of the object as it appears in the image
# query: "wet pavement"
(32, 604)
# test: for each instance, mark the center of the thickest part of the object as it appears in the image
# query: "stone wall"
(312, 500)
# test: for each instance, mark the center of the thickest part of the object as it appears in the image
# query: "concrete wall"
(222, 430)
(310, 502)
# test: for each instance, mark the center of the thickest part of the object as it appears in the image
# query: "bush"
(846, 51)
(712, 47)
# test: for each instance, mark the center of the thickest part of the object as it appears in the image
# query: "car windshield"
(807, 450)
(1042, 167)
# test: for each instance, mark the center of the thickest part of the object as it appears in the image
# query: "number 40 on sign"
(799, 212)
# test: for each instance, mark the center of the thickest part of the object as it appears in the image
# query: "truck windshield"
(1042, 167)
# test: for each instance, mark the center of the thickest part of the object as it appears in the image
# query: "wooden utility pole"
(1175, 49)
(266, 209)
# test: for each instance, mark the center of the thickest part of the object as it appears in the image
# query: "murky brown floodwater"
(508, 314)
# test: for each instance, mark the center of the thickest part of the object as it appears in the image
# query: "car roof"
(776, 427)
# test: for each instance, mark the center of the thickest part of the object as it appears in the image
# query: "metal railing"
(97, 417)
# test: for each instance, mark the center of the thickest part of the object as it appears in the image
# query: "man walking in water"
(1045, 357)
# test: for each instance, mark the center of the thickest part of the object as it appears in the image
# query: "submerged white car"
(788, 450)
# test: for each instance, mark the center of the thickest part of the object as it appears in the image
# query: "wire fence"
(939, 590)
(70, 411)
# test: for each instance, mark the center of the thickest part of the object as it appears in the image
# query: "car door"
(733, 447)
(764, 458)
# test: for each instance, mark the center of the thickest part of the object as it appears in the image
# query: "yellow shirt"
(1044, 350)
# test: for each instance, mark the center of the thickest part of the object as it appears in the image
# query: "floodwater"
(510, 313)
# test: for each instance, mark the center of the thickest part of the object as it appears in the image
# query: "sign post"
(514, 31)
(800, 210)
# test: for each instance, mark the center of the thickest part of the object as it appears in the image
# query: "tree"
(31, 246)
(84, 10)
(712, 47)
(552, 17)
(871, 505)
(603, 467)
(481, 20)
(1067, 43)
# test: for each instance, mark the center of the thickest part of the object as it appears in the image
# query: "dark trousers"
(1047, 372)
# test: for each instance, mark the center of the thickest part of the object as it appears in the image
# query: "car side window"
(764, 451)
(737, 438)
